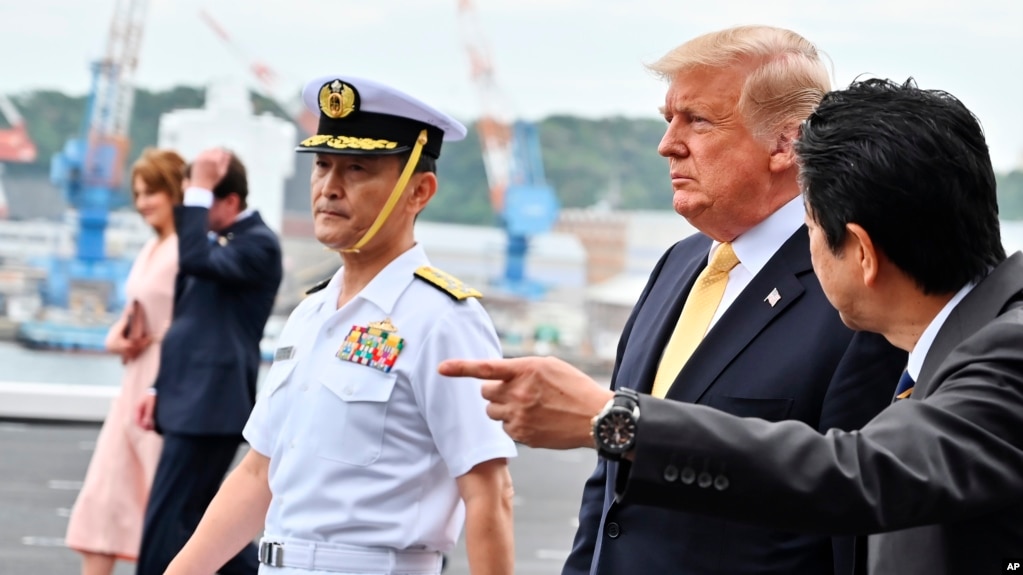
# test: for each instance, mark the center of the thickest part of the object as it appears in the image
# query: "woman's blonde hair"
(162, 170)
(786, 83)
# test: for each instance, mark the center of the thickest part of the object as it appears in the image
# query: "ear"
(424, 186)
(860, 247)
(783, 153)
(235, 201)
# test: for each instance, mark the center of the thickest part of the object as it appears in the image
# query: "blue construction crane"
(530, 208)
(525, 205)
(80, 292)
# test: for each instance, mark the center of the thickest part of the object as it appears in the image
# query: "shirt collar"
(759, 244)
(923, 345)
(244, 214)
(387, 286)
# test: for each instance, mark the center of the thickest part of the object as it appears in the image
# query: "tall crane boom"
(493, 124)
(269, 80)
(115, 92)
(519, 195)
(91, 167)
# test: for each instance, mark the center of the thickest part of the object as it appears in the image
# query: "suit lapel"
(976, 310)
(745, 319)
(659, 315)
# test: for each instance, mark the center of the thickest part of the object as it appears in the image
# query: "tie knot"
(723, 259)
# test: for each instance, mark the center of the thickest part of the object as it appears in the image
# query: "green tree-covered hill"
(587, 161)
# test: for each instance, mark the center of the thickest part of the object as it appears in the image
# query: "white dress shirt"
(756, 247)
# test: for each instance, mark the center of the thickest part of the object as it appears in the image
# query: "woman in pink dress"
(106, 521)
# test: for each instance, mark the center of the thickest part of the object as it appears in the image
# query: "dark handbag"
(135, 327)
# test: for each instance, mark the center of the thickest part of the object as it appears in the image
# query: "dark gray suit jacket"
(937, 479)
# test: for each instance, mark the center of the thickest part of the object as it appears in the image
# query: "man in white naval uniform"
(364, 459)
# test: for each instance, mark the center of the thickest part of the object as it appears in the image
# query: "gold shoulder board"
(447, 283)
(317, 287)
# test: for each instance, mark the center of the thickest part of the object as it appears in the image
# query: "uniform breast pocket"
(274, 387)
(276, 377)
(352, 413)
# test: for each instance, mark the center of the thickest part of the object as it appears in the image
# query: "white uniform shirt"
(367, 458)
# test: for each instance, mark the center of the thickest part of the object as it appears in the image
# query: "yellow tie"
(697, 312)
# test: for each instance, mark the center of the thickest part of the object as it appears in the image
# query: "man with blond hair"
(756, 337)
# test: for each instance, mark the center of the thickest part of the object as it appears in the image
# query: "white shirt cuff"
(198, 197)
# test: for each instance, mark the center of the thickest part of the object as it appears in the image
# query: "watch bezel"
(625, 403)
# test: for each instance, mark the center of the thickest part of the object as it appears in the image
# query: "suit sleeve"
(242, 261)
(862, 386)
(953, 455)
(591, 510)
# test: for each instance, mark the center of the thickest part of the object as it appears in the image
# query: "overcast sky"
(581, 57)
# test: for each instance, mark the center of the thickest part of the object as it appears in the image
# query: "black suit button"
(613, 531)
(688, 475)
(670, 473)
(704, 480)
(720, 483)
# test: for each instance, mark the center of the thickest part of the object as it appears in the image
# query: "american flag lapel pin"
(773, 297)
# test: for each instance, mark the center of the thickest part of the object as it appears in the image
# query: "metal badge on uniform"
(376, 345)
(284, 353)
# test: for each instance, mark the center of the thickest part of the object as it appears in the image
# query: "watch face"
(617, 430)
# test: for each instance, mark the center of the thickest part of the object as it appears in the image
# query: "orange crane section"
(267, 77)
(15, 145)
(493, 125)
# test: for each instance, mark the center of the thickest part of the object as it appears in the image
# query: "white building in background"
(264, 143)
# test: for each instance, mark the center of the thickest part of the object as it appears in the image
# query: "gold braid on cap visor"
(406, 173)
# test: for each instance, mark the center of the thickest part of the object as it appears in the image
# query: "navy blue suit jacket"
(791, 360)
(223, 297)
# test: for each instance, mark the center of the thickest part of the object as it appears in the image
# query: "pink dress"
(107, 516)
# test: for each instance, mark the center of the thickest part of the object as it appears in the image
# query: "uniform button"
(720, 483)
(705, 480)
(305, 387)
(687, 476)
(348, 391)
(613, 531)
(292, 444)
(330, 331)
(670, 473)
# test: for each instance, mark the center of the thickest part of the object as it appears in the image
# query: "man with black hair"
(904, 235)
(229, 270)
(364, 459)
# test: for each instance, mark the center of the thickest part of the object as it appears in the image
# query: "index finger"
(503, 369)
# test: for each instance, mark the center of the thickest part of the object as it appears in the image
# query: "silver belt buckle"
(271, 553)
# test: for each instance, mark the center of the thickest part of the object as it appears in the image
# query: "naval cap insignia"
(337, 99)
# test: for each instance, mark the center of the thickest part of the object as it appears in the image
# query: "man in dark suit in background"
(774, 348)
(904, 235)
(229, 271)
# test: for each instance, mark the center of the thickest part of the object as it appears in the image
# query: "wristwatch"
(614, 428)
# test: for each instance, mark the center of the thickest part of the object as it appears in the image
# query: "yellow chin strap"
(399, 187)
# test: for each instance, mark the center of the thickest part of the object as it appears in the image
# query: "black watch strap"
(627, 397)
